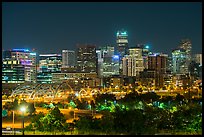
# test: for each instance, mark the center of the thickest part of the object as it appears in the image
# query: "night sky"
(51, 27)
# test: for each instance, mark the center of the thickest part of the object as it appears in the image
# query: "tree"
(35, 121)
(15, 104)
(102, 97)
(84, 124)
(31, 108)
(107, 122)
(53, 121)
(81, 104)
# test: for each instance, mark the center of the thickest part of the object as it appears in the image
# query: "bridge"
(50, 92)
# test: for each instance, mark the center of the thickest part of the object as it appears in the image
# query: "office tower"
(48, 64)
(169, 65)
(133, 63)
(108, 63)
(99, 63)
(187, 46)
(12, 71)
(158, 63)
(179, 61)
(28, 60)
(122, 43)
(68, 58)
(198, 59)
(86, 58)
(122, 46)
(145, 52)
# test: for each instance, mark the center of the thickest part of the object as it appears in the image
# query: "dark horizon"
(51, 27)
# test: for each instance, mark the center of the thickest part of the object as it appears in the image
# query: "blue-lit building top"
(26, 58)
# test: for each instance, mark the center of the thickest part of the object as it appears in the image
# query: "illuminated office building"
(68, 58)
(158, 63)
(122, 47)
(108, 63)
(122, 43)
(12, 71)
(48, 64)
(133, 63)
(86, 58)
(99, 63)
(187, 46)
(179, 59)
(28, 60)
(198, 59)
(145, 53)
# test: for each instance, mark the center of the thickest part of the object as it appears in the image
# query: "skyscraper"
(179, 61)
(158, 63)
(198, 58)
(122, 43)
(28, 60)
(108, 63)
(12, 71)
(48, 64)
(68, 58)
(133, 63)
(122, 47)
(187, 46)
(86, 58)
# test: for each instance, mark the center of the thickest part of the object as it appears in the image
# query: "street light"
(23, 109)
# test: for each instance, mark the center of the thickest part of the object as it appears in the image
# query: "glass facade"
(12, 71)
(86, 58)
(48, 64)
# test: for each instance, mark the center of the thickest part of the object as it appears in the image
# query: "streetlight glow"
(23, 109)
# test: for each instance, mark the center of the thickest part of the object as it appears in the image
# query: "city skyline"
(43, 25)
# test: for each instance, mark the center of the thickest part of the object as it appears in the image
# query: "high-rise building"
(68, 58)
(122, 47)
(108, 63)
(169, 65)
(28, 60)
(122, 43)
(99, 62)
(12, 71)
(145, 53)
(48, 64)
(158, 63)
(198, 58)
(179, 61)
(86, 58)
(187, 46)
(133, 63)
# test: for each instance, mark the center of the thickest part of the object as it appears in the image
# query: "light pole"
(23, 109)
(13, 117)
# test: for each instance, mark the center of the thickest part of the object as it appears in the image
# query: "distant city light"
(147, 46)
(115, 57)
(24, 50)
(47, 55)
(124, 33)
(33, 53)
